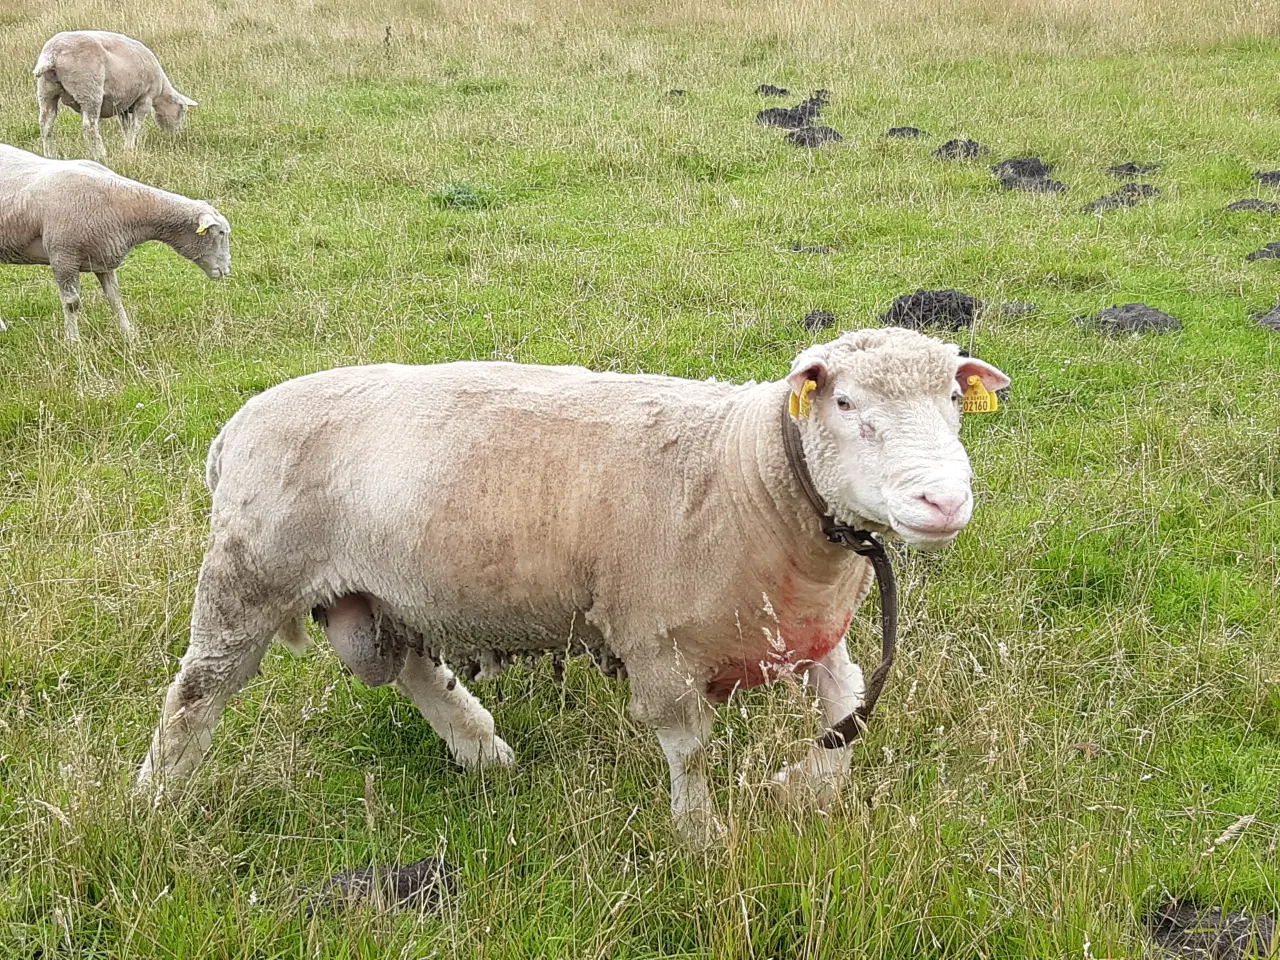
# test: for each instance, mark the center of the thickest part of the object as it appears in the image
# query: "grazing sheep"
(79, 217)
(99, 74)
(468, 513)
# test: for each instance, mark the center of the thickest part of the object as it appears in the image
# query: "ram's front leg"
(68, 280)
(817, 778)
(682, 718)
(111, 290)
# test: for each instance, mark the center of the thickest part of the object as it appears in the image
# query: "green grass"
(520, 187)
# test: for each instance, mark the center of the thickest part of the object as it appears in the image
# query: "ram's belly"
(28, 252)
(477, 635)
(785, 648)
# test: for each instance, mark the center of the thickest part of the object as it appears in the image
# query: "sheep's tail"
(293, 634)
(44, 64)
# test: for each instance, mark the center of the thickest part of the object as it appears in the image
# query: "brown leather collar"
(863, 543)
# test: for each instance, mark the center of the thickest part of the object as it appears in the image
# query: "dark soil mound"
(1130, 195)
(1254, 205)
(1132, 169)
(413, 886)
(676, 93)
(960, 150)
(1270, 252)
(949, 309)
(905, 132)
(769, 90)
(1270, 319)
(1032, 184)
(790, 118)
(1027, 168)
(1270, 177)
(793, 118)
(781, 117)
(816, 248)
(1132, 318)
(1209, 933)
(819, 319)
(1027, 173)
(813, 137)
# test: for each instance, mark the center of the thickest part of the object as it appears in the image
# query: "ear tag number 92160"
(801, 406)
(978, 399)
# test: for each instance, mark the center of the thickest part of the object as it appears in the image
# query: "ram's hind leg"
(47, 94)
(90, 124)
(232, 622)
(465, 726)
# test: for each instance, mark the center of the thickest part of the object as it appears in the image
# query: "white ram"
(471, 512)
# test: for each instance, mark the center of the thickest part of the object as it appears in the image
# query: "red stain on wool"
(803, 642)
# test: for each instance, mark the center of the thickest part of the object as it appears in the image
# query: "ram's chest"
(790, 646)
(788, 629)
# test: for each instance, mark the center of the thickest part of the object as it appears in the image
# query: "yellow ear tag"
(203, 229)
(978, 399)
(801, 405)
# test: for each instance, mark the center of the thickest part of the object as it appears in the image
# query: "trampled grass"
(1089, 688)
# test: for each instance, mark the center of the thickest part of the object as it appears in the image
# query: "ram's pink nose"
(948, 509)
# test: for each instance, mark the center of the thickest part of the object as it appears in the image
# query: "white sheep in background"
(79, 217)
(100, 74)
(468, 513)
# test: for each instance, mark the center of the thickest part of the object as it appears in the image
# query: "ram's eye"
(844, 403)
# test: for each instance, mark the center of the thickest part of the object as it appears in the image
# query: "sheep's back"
(502, 498)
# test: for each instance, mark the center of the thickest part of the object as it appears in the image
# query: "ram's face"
(883, 432)
(211, 246)
(171, 112)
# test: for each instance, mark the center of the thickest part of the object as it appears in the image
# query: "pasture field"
(1086, 711)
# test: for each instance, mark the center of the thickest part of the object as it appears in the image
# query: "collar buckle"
(862, 542)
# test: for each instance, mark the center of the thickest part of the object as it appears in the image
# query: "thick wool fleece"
(501, 507)
(895, 367)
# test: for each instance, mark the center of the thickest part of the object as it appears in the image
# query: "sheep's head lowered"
(882, 435)
(207, 241)
(171, 110)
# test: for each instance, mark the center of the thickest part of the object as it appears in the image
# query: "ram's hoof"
(799, 785)
(476, 754)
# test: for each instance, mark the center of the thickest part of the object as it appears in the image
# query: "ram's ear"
(991, 378)
(186, 101)
(810, 364)
(207, 220)
(808, 375)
